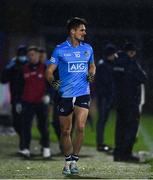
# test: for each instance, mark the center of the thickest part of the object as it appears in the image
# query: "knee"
(80, 129)
(66, 132)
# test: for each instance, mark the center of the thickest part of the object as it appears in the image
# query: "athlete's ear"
(72, 31)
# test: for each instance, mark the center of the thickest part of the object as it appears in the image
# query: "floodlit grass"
(146, 122)
(144, 137)
(92, 164)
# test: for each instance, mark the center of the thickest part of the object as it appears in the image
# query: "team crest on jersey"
(86, 53)
(76, 66)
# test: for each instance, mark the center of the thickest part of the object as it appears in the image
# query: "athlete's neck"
(74, 42)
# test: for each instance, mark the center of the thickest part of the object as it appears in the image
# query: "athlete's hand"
(90, 77)
(55, 84)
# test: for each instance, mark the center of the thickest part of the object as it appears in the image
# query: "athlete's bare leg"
(80, 120)
(66, 126)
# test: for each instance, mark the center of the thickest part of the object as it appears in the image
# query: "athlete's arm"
(50, 71)
(50, 77)
(92, 69)
(91, 73)
(52, 65)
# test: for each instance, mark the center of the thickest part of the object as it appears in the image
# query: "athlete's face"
(33, 57)
(79, 32)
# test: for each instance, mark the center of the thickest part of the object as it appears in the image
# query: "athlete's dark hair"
(75, 22)
(32, 48)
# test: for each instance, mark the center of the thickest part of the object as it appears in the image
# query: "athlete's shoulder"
(62, 45)
(87, 46)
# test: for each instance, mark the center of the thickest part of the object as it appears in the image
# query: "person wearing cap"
(12, 74)
(105, 91)
(129, 76)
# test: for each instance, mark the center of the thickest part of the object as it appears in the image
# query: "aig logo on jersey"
(76, 66)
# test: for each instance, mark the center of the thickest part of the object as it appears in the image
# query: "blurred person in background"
(53, 97)
(129, 76)
(43, 55)
(105, 91)
(55, 117)
(5, 111)
(12, 74)
(35, 103)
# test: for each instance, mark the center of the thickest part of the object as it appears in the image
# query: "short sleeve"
(91, 59)
(54, 57)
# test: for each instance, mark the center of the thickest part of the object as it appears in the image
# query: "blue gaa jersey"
(73, 65)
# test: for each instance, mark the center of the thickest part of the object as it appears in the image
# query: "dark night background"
(42, 22)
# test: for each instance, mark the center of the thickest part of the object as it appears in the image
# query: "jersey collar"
(70, 44)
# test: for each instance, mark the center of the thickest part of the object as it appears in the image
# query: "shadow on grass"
(33, 157)
(81, 155)
(86, 156)
(38, 157)
(81, 177)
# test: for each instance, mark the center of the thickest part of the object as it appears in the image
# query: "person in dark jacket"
(105, 90)
(12, 74)
(129, 76)
(34, 92)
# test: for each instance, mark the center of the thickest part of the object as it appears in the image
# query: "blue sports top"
(73, 65)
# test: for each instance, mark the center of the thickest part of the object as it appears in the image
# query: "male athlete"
(75, 62)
